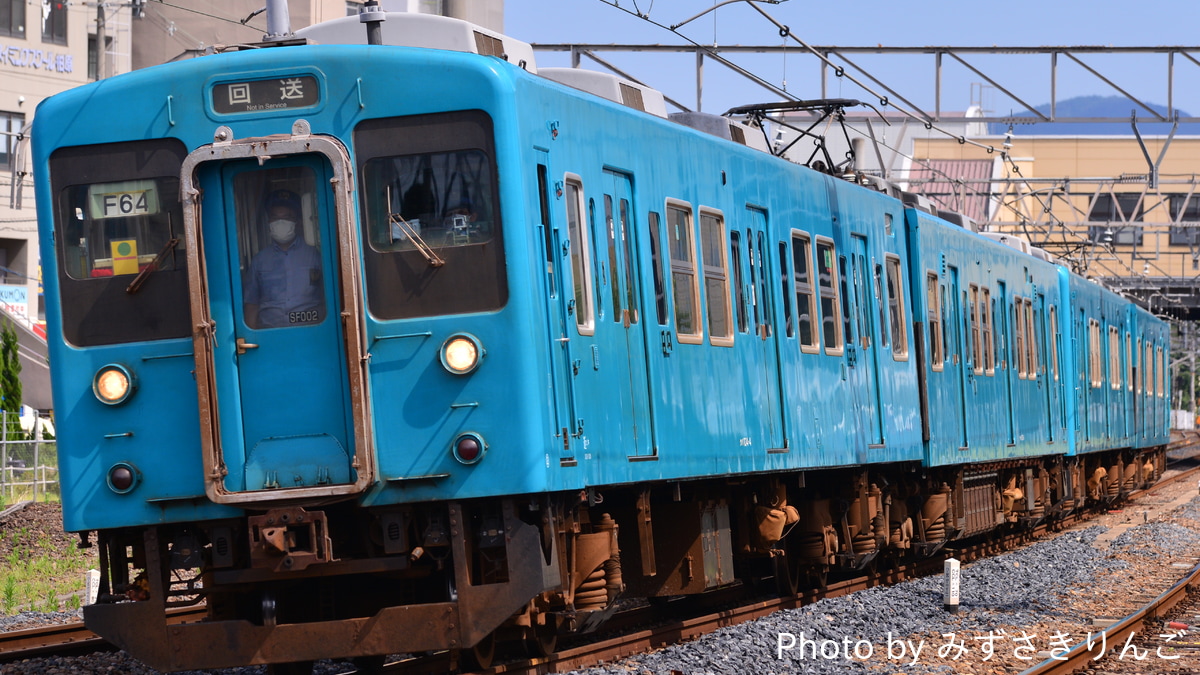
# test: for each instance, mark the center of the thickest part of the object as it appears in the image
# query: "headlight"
(113, 384)
(461, 353)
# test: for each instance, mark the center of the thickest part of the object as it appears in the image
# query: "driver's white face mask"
(283, 231)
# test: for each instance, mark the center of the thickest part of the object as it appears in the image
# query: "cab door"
(278, 352)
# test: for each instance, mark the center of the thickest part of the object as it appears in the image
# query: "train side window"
(107, 233)
(1031, 362)
(976, 335)
(581, 259)
(1159, 371)
(1148, 369)
(896, 303)
(683, 274)
(656, 263)
(1128, 361)
(1054, 342)
(989, 338)
(1142, 372)
(1019, 333)
(631, 293)
(847, 330)
(739, 281)
(716, 278)
(937, 354)
(802, 286)
(787, 292)
(827, 279)
(614, 280)
(882, 305)
(1095, 375)
(1114, 357)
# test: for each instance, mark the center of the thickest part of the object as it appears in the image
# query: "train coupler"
(289, 539)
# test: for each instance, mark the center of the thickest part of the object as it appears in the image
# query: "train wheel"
(541, 641)
(369, 665)
(480, 656)
(294, 668)
(787, 575)
(817, 578)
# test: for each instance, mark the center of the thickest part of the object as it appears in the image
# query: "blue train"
(386, 348)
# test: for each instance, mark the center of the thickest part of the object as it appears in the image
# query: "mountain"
(1097, 106)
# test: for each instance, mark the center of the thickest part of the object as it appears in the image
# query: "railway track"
(628, 634)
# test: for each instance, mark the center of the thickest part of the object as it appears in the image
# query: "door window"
(279, 248)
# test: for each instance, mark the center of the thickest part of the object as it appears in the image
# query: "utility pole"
(101, 47)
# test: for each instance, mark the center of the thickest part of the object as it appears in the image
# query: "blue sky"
(869, 22)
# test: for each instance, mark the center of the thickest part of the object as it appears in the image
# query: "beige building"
(1095, 201)
(45, 47)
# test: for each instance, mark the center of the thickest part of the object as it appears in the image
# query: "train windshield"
(431, 215)
(121, 254)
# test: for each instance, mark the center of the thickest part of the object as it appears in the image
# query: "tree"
(10, 383)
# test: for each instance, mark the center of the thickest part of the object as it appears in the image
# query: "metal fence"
(28, 469)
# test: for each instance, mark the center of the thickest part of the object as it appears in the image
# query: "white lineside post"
(91, 586)
(953, 579)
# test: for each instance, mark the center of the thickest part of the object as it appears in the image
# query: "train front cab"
(364, 396)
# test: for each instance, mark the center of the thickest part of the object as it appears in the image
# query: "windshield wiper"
(136, 285)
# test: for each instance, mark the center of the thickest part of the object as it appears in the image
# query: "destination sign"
(264, 95)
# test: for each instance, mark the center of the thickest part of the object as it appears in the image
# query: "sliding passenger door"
(632, 385)
(865, 303)
(764, 335)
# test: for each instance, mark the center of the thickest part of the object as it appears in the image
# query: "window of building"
(937, 353)
(10, 125)
(1115, 213)
(12, 18)
(581, 259)
(683, 274)
(831, 324)
(54, 22)
(93, 57)
(1185, 212)
(806, 301)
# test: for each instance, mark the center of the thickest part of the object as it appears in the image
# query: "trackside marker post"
(953, 578)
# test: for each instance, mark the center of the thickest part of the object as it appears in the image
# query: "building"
(168, 32)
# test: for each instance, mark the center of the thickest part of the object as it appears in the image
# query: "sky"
(870, 22)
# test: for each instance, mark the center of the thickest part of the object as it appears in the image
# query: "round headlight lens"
(461, 354)
(113, 384)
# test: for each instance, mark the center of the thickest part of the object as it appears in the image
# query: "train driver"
(284, 287)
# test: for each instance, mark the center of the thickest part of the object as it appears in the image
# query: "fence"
(28, 469)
